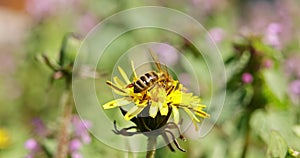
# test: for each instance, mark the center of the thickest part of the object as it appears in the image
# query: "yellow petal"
(120, 93)
(134, 111)
(201, 106)
(193, 117)
(175, 114)
(122, 72)
(164, 109)
(119, 82)
(133, 70)
(116, 103)
(176, 99)
(199, 112)
(5, 139)
(153, 109)
(118, 88)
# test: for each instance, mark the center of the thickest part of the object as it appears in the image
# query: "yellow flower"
(162, 96)
(4, 139)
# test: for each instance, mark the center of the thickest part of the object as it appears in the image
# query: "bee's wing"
(166, 71)
(158, 64)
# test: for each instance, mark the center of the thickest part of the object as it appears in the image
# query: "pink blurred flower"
(217, 34)
(210, 6)
(294, 87)
(247, 78)
(7, 64)
(76, 155)
(294, 91)
(40, 8)
(32, 145)
(75, 145)
(268, 63)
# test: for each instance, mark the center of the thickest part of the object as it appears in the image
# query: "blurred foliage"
(260, 117)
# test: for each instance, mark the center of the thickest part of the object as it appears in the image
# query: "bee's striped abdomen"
(145, 81)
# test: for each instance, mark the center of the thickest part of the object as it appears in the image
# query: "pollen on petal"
(116, 103)
(201, 114)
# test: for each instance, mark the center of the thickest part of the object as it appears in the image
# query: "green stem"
(63, 136)
(151, 147)
(247, 134)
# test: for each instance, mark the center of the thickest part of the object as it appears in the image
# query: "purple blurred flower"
(217, 34)
(75, 145)
(86, 23)
(81, 129)
(292, 66)
(167, 54)
(39, 127)
(271, 35)
(185, 79)
(247, 78)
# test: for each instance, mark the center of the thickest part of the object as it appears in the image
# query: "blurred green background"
(258, 39)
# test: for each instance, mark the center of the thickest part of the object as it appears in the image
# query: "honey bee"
(149, 79)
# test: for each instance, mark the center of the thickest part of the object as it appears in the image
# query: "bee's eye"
(129, 86)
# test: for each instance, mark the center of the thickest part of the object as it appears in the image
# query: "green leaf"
(267, 50)
(276, 84)
(50, 145)
(69, 49)
(259, 124)
(277, 146)
(237, 66)
(296, 130)
(293, 153)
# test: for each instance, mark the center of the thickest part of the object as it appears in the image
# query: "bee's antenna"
(155, 59)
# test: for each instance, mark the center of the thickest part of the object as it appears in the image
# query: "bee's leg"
(175, 141)
(172, 125)
(124, 131)
(166, 139)
(151, 87)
